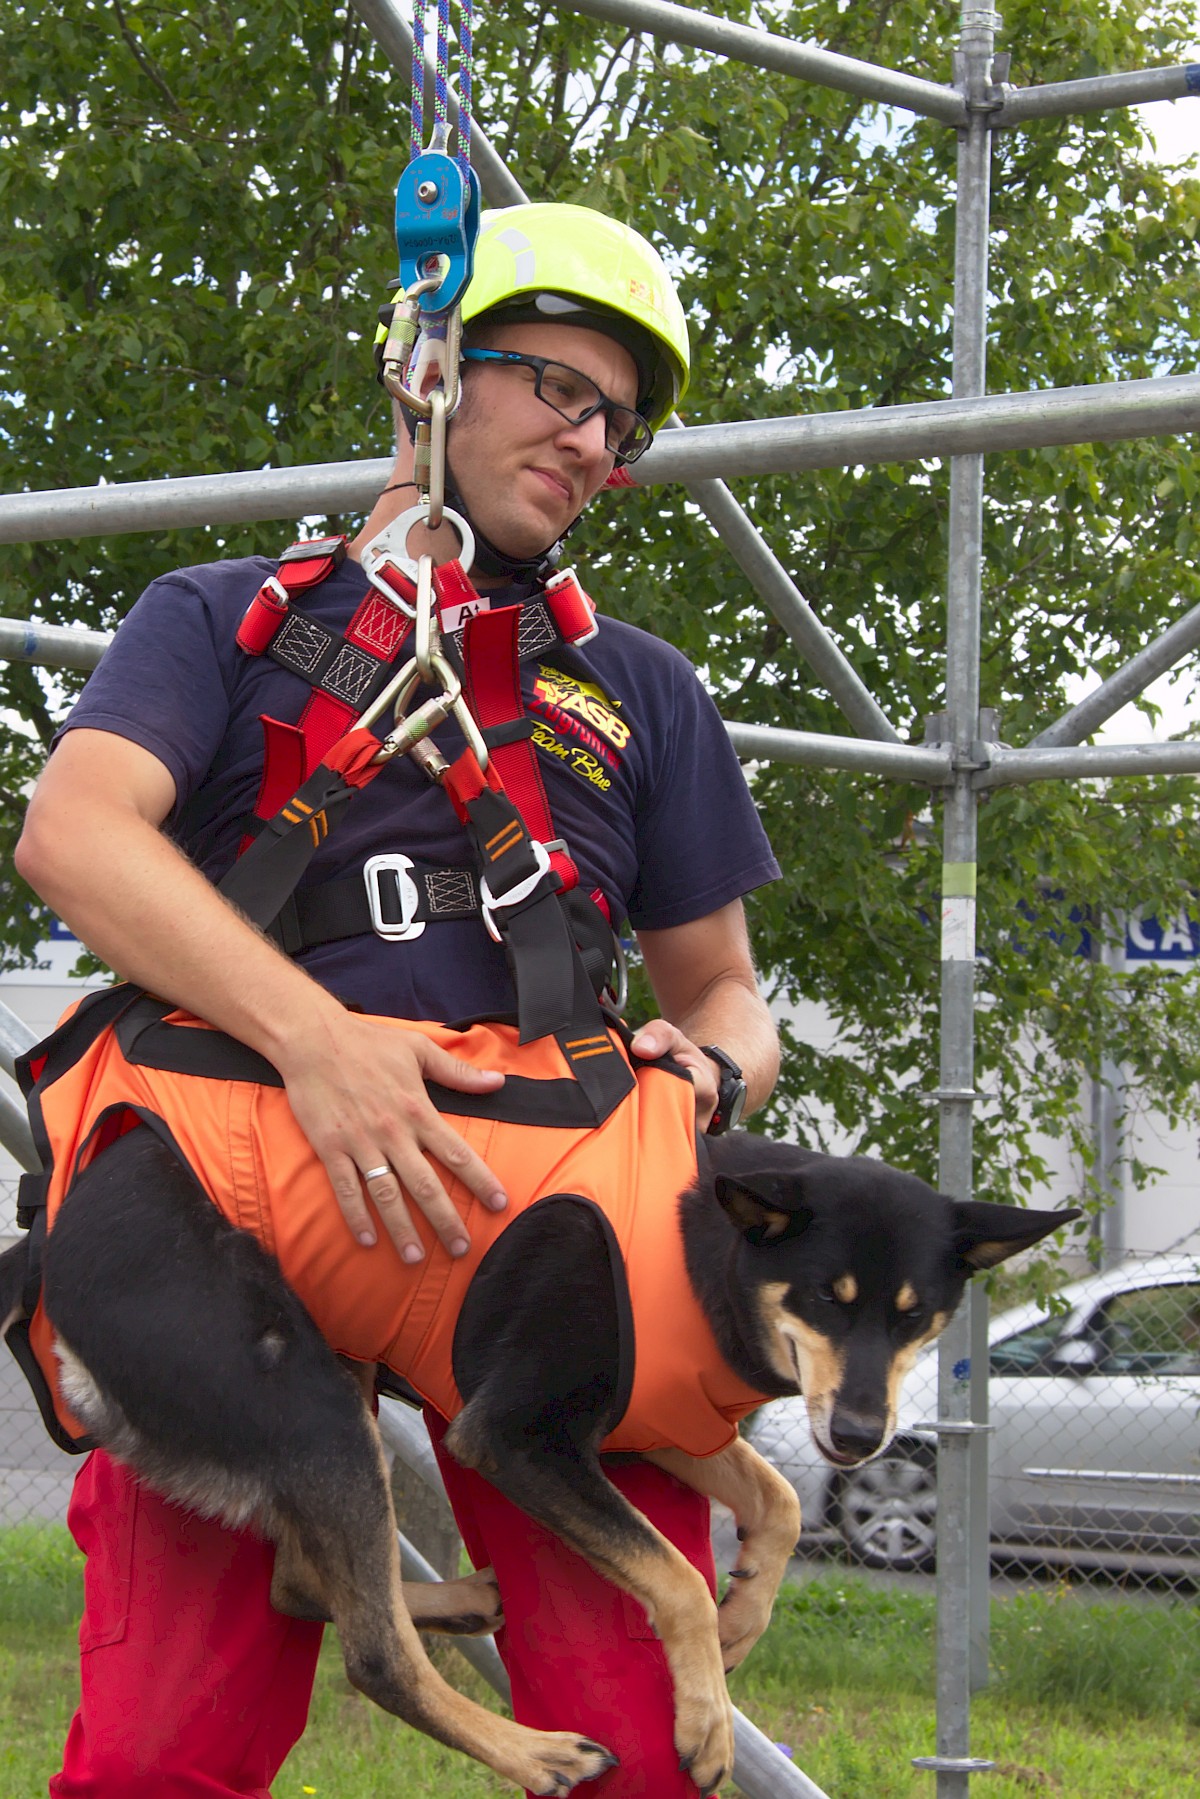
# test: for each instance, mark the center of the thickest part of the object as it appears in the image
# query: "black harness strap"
(263, 879)
(339, 909)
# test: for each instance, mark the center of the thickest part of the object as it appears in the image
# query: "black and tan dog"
(184, 1351)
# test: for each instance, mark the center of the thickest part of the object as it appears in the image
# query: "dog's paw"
(560, 1761)
(715, 1754)
(742, 1617)
(470, 1607)
(704, 1723)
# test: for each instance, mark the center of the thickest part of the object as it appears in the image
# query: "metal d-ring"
(391, 545)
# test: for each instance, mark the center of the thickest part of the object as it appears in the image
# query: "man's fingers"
(347, 1185)
(387, 1196)
(457, 1156)
(439, 1065)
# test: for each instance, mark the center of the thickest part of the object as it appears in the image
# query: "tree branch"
(148, 68)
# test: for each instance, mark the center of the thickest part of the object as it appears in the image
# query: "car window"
(1152, 1330)
(1028, 1351)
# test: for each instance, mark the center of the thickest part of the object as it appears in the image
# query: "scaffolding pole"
(15, 1134)
(1095, 93)
(53, 646)
(764, 50)
(962, 1625)
(1108, 412)
(1017, 768)
(1136, 675)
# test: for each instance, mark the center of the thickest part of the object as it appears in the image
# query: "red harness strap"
(493, 693)
(492, 677)
(377, 629)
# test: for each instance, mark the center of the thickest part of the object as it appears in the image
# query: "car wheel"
(887, 1509)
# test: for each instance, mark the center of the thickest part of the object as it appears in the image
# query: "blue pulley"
(437, 214)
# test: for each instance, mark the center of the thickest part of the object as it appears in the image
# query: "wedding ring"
(373, 1174)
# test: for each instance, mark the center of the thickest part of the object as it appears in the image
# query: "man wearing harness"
(192, 1685)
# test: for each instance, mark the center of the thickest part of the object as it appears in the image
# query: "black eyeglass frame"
(610, 408)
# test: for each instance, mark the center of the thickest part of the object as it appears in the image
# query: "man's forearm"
(142, 907)
(357, 1086)
(735, 1017)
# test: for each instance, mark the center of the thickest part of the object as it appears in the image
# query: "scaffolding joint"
(953, 1764)
(980, 77)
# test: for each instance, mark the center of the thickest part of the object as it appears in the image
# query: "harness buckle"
(405, 890)
(490, 904)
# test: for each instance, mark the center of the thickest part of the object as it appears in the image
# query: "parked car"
(1095, 1452)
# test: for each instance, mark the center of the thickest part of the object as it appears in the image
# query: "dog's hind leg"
(768, 1519)
(469, 1607)
(187, 1355)
(346, 1534)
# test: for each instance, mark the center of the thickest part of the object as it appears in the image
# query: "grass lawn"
(1090, 1700)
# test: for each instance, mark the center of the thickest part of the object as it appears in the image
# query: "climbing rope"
(437, 224)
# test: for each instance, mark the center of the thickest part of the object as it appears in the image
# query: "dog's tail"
(14, 1267)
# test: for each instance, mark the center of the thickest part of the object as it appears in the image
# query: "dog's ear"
(985, 1234)
(764, 1207)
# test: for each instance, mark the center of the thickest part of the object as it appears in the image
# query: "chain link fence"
(35, 1477)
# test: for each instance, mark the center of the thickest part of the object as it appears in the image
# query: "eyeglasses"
(576, 397)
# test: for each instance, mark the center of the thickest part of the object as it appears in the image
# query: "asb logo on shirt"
(580, 725)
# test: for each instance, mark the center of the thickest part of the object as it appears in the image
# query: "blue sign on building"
(1174, 940)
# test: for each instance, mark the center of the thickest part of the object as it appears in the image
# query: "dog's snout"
(856, 1435)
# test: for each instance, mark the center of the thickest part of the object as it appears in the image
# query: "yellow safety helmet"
(569, 265)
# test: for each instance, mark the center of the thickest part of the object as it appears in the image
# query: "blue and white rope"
(441, 80)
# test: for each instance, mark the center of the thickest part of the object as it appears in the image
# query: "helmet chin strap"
(489, 558)
(493, 561)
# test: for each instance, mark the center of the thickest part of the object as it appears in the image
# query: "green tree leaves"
(198, 208)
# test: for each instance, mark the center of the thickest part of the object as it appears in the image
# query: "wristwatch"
(731, 1092)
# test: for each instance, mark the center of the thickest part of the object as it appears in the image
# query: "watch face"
(731, 1103)
(731, 1093)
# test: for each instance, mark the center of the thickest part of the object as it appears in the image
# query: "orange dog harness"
(541, 1135)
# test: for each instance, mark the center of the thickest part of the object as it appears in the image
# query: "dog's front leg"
(562, 1486)
(768, 1520)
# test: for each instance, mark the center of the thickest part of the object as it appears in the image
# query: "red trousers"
(193, 1687)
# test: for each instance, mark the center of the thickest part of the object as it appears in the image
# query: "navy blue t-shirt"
(640, 775)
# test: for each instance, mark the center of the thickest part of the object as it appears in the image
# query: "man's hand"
(357, 1089)
(94, 849)
(658, 1038)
